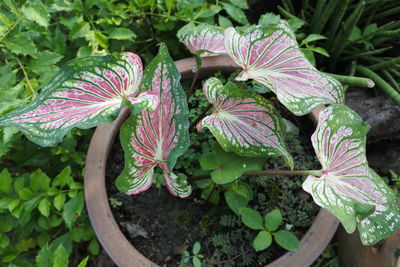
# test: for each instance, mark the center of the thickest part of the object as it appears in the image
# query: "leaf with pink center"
(158, 137)
(270, 55)
(203, 39)
(85, 93)
(348, 188)
(244, 122)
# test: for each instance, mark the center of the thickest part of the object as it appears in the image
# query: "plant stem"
(26, 78)
(199, 118)
(380, 82)
(11, 28)
(385, 64)
(266, 172)
(353, 81)
(195, 77)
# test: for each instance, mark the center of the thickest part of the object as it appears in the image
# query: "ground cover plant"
(94, 34)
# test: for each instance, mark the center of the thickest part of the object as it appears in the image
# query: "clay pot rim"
(106, 228)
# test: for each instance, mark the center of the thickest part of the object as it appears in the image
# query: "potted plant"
(91, 91)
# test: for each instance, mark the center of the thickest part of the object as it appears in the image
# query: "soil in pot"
(163, 227)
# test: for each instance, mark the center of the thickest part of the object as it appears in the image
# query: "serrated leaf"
(244, 122)
(271, 56)
(38, 180)
(287, 240)
(159, 137)
(43, 258)
(59, 201)
(273, 220)
(36, 12)
(121, 33)
(44, 207)
(262, 241)
(235, 13)
(21, 45)
(85, 93)
(346, 181)
(73, 209)
(205, 38)
(251, 218)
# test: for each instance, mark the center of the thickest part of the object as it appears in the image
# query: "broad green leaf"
(43, 258)
(60, 257)
(21, 45)
(25, 244)
(269, 18)
(38, 180)
(72, 210)
(224, 22)
(84, 262)
(240, 3)
(205, 39)
(122, 34)
(85, 93)
(235, 201)
(5, 225)
(196, 248)
(244, 122)
(235, 13)
(4, 240)
(196, 262)
(59, 201)
(5, 181)
(347, 186)
(270, 55)
(295, 24)
(273, 220)
(287, 240)
(209, 12)
(63, 178)
(227, 167)
(8, 133)
(44, 207)
(159, 137)
(312, 38)
(25, 194)
(36, 12)
(251, 218)
(262, 241)
(94, 247)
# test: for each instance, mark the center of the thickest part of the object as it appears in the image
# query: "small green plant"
(192, 258)
(268, 227)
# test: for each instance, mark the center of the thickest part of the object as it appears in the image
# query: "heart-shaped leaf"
(244, 122)
(158, 137)
(85, 93)
(270, 55)
(347, 187)
(205, 39)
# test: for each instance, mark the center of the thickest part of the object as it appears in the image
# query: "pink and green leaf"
(244, 122)
(203, 39)
(156, 137)
(270, 55)
(85, 93)
(348, 188)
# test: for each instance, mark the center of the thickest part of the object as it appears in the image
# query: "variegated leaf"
(85, 93)
(244, 122)
(347, 187)
(270, 55)
(159, 137)
(205, 39)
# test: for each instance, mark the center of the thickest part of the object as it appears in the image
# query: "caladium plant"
(90, 91)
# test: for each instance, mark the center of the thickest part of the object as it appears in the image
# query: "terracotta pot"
(107, 230)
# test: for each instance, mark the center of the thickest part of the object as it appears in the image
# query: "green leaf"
(122, 34)
(84, 262)
(318, 50)
(235, 13)
(5, 225)
(5, 181)
(59, 201)
(94, 247)
(60, 257)
(287, 240)
(273, 220)
(295, 24)
(21, 45)
(38, 180)
(262, 241)
(224, 22)
(63, 178)
(43, 258)
(269, 18)
(36, 12)
(235, 201)
(44, 207)
(79, 30)
(8, 133)
(25, 244)
(196, 262)
(240, 3)
(312, 38)
(207, 13)
(251, 218)
(25, 194)
(4, 240)
(196, 248)
(73, 209)
(44, 62)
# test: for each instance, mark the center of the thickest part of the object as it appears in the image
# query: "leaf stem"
(11, 28)
(34, 94)
(266, 172)
(200, 117)
(353, 81)
(195, 77)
